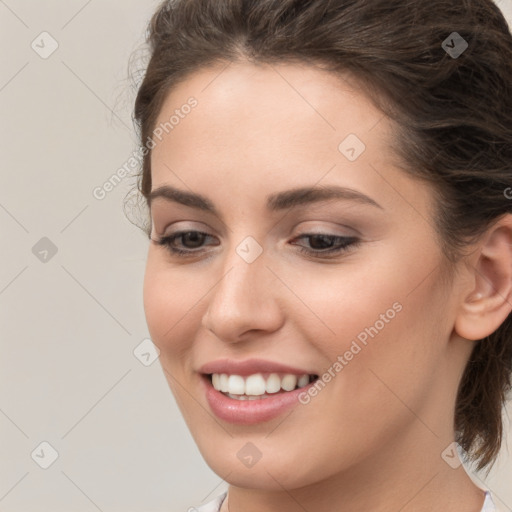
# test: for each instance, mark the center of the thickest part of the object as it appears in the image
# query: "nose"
(244, 300)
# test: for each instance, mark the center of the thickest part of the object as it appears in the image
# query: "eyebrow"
(275, 202)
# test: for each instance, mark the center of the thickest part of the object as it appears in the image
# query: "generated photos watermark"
(134, 162)
(356, 346)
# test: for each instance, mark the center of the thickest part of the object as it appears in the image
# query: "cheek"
(170, 303)
(392, 293)
(343, 303)
(388, 320)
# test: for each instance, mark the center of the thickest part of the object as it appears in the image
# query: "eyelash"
(346, 243)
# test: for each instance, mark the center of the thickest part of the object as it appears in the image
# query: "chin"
(270, 473)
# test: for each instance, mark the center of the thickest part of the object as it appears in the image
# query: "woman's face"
(373, 320)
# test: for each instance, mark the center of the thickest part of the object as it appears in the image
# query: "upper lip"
(249, 367)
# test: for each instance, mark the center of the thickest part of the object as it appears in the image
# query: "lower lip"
(250, 412)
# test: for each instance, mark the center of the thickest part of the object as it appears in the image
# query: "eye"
(190, 239)
(326, 244)
(321, 244)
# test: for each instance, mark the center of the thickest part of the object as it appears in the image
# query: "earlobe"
(489, 302)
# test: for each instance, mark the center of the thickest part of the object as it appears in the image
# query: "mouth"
(258, 386)
(253, 390)
(256, 398)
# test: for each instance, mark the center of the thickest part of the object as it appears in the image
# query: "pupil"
(196, 238)
(327, 242)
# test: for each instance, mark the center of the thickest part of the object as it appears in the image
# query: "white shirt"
(214, 505)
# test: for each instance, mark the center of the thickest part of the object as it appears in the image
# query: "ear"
(489, 300)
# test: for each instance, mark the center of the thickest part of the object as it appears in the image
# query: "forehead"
(262, 127)
(278, 108)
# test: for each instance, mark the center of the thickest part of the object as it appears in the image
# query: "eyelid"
(348, 232)
(178, 229)
(330, 229)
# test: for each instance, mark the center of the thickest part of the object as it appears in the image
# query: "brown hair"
(453, 117)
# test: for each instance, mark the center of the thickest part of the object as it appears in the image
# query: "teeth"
(273, 384)
(236, 385)
(253, 386)
(245, 397)
(223, 383)
(289, 382)
(303, 381)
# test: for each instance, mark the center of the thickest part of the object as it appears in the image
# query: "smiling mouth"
(259, 385)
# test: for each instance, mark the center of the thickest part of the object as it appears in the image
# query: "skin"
(372, 439)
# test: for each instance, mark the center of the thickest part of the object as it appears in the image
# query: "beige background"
(69, 326)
